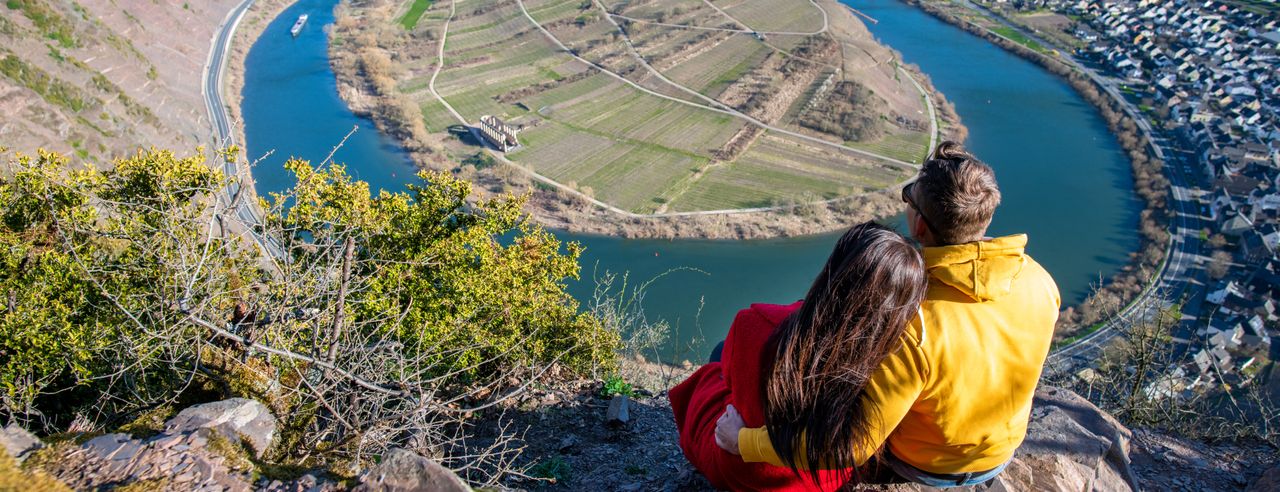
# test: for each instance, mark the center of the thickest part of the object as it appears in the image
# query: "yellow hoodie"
(956, 397)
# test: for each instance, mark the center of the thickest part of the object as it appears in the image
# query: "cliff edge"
(579, 441)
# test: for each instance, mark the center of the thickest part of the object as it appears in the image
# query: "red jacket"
(738, 379)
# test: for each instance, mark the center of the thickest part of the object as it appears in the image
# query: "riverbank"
(1149, 181)
(252, 26)
(370, 61)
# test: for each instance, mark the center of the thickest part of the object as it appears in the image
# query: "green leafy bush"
(349, 314)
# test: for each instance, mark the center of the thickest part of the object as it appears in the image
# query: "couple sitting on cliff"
(899, 364)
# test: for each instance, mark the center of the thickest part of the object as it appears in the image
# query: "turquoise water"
(291, 108)
(1064, 178)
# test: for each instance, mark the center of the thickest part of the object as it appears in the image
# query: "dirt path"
(745, 28)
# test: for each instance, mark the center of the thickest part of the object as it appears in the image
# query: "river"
(1064, 178)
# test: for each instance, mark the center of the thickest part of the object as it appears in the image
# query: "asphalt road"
(238, 197)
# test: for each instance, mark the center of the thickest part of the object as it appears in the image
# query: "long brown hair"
(852, 318)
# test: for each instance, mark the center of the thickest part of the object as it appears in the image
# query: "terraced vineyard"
(672, 106)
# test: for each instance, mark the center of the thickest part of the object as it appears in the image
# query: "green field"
(712, 71)
(767, 16)
(780, 169)
(1260, 7)
(410, 18)
(618, 142)
(906, 146)
(1019, 38)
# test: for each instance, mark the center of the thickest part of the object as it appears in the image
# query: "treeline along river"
(1064, 178)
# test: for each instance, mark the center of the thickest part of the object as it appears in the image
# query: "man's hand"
(727, 430)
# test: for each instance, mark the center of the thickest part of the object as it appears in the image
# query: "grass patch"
(909, 147)
(615, 385)
(1019, 38)
(480, 160)
(555, 469)
(150, 422)
(13, 477)
(410, 19)
(50, 24)
(53, 90)
(1075, 338)
(236, 453)
(728, 78)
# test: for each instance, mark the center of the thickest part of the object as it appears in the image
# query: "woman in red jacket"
(800, 369)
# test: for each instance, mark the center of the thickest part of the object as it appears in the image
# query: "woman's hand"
(727, 430)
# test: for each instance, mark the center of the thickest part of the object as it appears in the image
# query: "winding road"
(238, 196)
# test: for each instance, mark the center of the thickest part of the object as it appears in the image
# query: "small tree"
(1219, 264)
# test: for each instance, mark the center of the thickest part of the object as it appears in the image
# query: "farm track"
(726, 111)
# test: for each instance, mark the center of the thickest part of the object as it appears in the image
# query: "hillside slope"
(101, 76)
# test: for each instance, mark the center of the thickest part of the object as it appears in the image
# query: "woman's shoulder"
(772, 314)
(753, 326)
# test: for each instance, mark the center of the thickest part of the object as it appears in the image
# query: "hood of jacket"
(982, 270)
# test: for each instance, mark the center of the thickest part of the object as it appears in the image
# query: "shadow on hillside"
(465, 135)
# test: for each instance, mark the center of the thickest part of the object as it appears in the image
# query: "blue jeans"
(715, 352)
(939, 480)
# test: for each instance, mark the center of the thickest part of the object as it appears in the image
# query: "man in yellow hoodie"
(953, 402)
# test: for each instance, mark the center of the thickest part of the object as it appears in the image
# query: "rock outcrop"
(199, 449)
(213, 447)
(404, 471)
(18, 443)
(197, 460)
(237, 418)
(1268, 482)
(1071, 445)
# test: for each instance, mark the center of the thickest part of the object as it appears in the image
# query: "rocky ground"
(1167, 462)
(576, 438)
(578, 444)
(1071, 445)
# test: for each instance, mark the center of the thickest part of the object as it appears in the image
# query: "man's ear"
(919, 230)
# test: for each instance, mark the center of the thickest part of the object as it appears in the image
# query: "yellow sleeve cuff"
(755, 446)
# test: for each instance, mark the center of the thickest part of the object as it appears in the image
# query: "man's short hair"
(957, 193)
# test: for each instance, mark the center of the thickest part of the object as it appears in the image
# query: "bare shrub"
(1141, 380)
